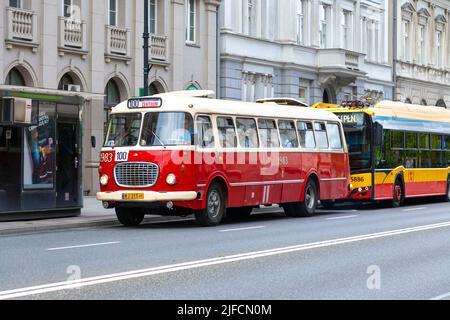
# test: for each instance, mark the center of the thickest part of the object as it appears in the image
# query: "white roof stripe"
(232, 108)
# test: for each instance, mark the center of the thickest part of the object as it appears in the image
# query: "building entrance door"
(68, 165)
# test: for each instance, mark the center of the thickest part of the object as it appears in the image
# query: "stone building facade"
(423, 52)
(315, 50)
(96, 47)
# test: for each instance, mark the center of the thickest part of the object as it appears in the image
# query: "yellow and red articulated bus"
(396, 150)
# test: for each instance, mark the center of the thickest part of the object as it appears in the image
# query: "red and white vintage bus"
(181, 153)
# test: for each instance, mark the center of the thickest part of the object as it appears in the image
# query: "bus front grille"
(136, 174)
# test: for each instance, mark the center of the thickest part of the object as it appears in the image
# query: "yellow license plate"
(133, 196)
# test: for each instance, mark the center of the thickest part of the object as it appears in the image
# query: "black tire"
(328, 204)
(398, 194)
(130, 217)
(239, 213)
(307, 208)
(214, 211)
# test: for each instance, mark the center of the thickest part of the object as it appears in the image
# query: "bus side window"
(334, 136)
(306, 135)
(287, 134)
(268, 133)
(205, 132)
(321, 135)
(247, 132)
(424, 151)
(227, 132)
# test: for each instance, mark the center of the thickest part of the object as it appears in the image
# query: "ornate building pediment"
(408, 11)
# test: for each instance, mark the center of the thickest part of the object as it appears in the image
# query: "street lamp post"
(146, 36)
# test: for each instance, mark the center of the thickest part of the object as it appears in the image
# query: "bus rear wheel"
(239, 213)
(130, 217)
(307, 208)
(214, 211)
(399, 195)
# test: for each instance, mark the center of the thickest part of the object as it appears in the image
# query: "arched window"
(423, 102)
(112, 93)
(15, 78)
(112, 98)
(155, 88)
(441, 103)
(408, 101)
(65, 80)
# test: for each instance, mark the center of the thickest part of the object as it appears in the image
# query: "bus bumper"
(146, 196)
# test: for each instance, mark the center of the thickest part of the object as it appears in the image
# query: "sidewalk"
(92, 215)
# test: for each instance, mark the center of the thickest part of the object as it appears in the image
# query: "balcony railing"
(72, 33)
(158, 47)
(117, 41)
(21, 25)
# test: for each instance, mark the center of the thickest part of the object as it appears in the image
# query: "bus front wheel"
(399, 195)
(307, 208)
(130, 217)
(214, 211)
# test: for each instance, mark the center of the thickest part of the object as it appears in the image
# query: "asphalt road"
(351, 252)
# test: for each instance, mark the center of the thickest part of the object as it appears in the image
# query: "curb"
(81, 224)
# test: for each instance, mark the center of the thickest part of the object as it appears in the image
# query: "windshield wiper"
(157, 137)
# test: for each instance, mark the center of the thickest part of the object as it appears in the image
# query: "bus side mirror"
(378, 134)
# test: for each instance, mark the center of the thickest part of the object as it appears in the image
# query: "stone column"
(137, 45)
(211, 7)
(315, 20)
(177, 37)
(49, 43)
(93, 110)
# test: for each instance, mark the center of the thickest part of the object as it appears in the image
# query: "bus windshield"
(167, 129)
(357, 134)
(123, 130)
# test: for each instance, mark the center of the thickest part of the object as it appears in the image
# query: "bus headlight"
(104, 179)
(171, 179)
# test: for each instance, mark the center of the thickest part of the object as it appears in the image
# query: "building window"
(15, 3)
(15, 78)
(112, 12)
(346, 28)
(65, 81)
(112, 98)
(323, 28)
(421, 45)
(301, 21)
(250, 14)
(67, 8)
(405, 40)
(423, 102)
(377, 44)
(152, 16)
(439, 49)
(303, 91)
(191, 17)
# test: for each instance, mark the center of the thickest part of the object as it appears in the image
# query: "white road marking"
(441, 297)
(343, 217)
(65, 285)
(84, 246)
(242, 229)
(414, 209)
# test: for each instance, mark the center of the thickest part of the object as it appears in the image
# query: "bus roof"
(196, 104)
(401, 116)
(395, 109)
